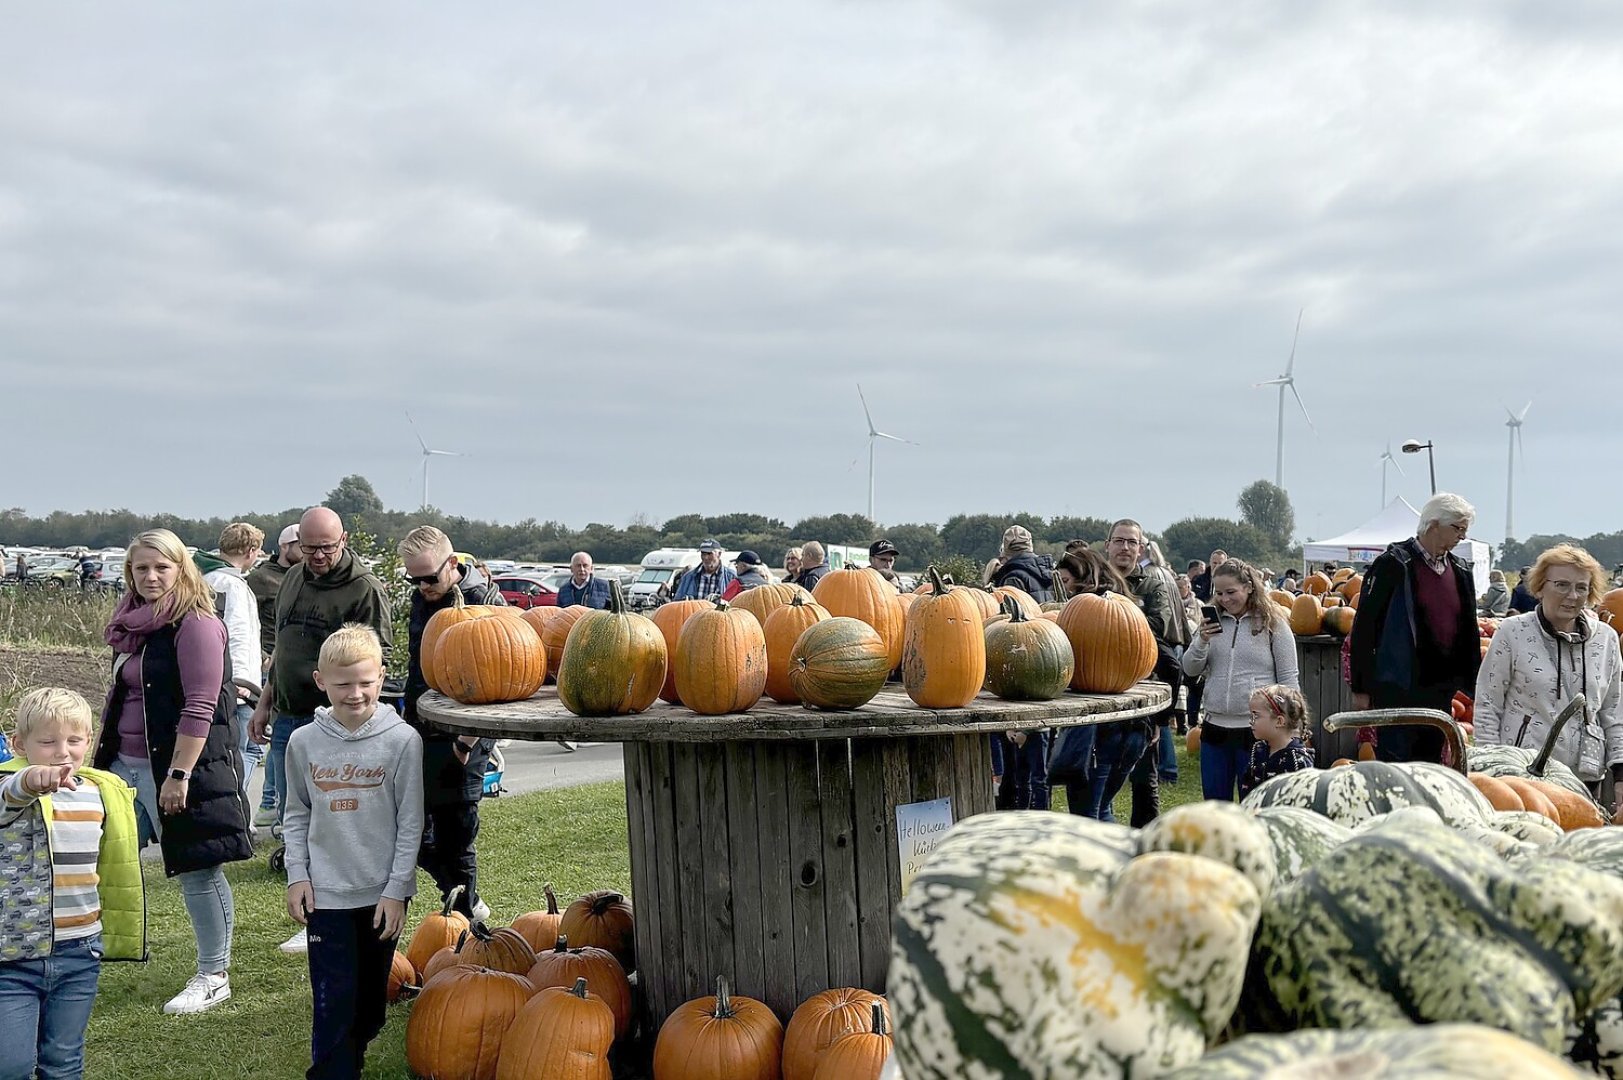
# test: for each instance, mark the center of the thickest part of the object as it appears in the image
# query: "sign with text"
(920, 828)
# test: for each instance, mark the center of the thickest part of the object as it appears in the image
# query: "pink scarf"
(134, 620)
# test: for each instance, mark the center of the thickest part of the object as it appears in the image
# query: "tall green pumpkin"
(1027, 659)
(1408, 1053)
(614, 661)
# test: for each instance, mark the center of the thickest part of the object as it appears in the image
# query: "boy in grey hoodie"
(353, 823)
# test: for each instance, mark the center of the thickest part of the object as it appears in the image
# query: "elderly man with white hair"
(1415, 641)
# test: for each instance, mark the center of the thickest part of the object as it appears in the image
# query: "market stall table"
(764, 844)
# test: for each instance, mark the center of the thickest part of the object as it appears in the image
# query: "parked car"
(110, 576)
(527, 590)
(53, 572)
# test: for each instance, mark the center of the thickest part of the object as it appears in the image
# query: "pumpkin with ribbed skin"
(720, 661)
(670, 618)
(1409, 922)
(428, 648)
(1282, 597)
(603, 919)
(540, 928)
(1339, 620)
(438, 930)
(1350, 588)
(783, 629)
(613, 661)
(1307, 615)
(1216, 830)
(1401, 1053)
(1316, 584)
(1610, 609)
(1027, 602)
(985, 599)
(820, 1021)
(488, 661)
(402, 978)
(1532, 798)
(861, 1055)
(556, 623)
(944, 658)
(501, 949)
(838, 663)
(1517, 761)
(1341, 575)
(1111, 642)
(1367, 789)
(863, 594)
(559, 1035)
(1299, 838)
(1524, 825)
(1035, 944)
(1028, 658)
(1598, 849)
(456, 1026)
(1500, 794)
(561, 965)
(763, 600)
(445, 958)
(721, 1036)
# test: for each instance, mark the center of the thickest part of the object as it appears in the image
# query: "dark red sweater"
(1438, 598)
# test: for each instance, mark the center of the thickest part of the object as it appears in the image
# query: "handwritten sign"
(920, 828)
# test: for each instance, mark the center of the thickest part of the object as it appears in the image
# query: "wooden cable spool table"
(764, 844)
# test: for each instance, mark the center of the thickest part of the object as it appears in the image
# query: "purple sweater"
(200, 653)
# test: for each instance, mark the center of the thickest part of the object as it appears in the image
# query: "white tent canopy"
(1397, 522)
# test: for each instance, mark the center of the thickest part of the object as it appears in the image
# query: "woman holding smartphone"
(1244, 642)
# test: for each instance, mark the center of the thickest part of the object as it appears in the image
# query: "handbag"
(1071, 757)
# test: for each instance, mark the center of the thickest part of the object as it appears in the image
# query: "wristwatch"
(179, 774)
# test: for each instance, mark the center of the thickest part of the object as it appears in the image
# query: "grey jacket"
(354, 817)
(1236, 662)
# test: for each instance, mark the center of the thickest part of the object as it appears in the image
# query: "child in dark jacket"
(1279, 722)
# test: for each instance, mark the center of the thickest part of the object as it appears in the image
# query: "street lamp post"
(1414, 446)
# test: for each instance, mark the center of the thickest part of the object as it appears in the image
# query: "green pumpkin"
(614, 661)
(1354, 793)
(1407, 921)
(1033, 944)
(1536, 829)
(1300, 838)
(1514, 761)
(1408, 1053)
(1216, 830)
(1027, 659)
(1598, 849)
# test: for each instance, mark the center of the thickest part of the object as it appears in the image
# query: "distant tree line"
(1262, 533)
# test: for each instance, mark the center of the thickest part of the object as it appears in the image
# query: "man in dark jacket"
(1521, 601)
(1415, 641)
(265, 581)
(1022, 568)
(582, 589)
(453, 765)
(813, 565)
(330, 588)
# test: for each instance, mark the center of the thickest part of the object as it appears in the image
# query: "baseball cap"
(1016, 536)
(881, 547)
(709, 545)
(748, 558)
(290, 535)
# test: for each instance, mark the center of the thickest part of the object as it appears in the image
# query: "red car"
(526, 590)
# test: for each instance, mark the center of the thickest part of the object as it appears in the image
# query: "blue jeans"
(44, 1010)
(1025, 773)
(1222, 765)
(1116, 749)
(1073, 751)
(207, 894)
(1168, 765)
(252, 752)
(281, 731)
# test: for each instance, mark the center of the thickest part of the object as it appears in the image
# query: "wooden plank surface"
(890, 714)
(743, 838)
(873, 832)
(690, 941)
(661, 981)
(806, 877)
(839, 863)
(645, 861)
(715, 849)
(777, 882)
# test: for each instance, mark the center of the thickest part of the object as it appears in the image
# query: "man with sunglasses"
(329, 588)
(453, 766)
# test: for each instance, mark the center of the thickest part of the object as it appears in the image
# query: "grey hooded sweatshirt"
(354, 817)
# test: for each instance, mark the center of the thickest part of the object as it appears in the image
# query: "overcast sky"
(634, 259)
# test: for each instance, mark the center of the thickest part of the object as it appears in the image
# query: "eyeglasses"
(322, 549)
(1125, 541)
(1576, 588)
(430, 579)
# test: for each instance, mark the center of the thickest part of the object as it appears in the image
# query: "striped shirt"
(75, 827)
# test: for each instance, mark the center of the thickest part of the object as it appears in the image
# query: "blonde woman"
(1540, 660)
(168, 730)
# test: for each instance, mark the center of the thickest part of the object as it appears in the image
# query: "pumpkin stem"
(1542, 760)
(724, 1000)
(878, 1019)
(552, 899)
(579, 989)
(562, 945)
(1436, 718)
(722, 605)
(601, 905)
(797, 600)
(936, 582)
(617, 598)
(479, 930)
(1010, 607)
(450, 901)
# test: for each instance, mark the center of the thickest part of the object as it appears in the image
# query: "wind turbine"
(1388, 459)
(873, 434)
(1285, 382)
(1515, 426)
(427, 454)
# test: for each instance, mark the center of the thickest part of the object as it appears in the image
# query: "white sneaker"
(297, 944)
(481, 912)
(566, 744)
(202, 992)
(265, 815)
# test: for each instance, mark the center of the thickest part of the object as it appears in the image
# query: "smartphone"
(1208, 612)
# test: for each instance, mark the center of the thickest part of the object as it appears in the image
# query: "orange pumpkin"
(438, 930)
(1025, 600)
(670, 618)
(783, 628)
(1282, 597)
(428, 649)
(1340, 761)
(457, 1023)
(722, 1036)
(556, 624)
(1191, 741)
(559, 1034)
(763, 600)
(819, 1021)
(860, 1055)
(986, 600)
(1316, 584)
(1573, 810)
(613, 661)
(944, 659)
(1342, 574)
(402, 978)
(838, 663)
(720, 661)
(562, 965)
(1355, 599)
(503, 949)
(863, 594)
(1351, 587)
(445, 958)
(1366, 751)
(492, 660)
(1307, 617)
(1532, 797)
(540, 928)
(603, 919)
(1497, 792)
(1111, 640)
(1339, 620)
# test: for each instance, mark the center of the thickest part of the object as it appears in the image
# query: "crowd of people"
(219, 658)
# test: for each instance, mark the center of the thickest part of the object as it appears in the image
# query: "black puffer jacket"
(214, 827)
(1031, 573)
(446, 781)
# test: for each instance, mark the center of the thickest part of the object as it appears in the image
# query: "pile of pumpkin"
(1326, 604)
(832, 648)
(1372, 920)
(547, 997)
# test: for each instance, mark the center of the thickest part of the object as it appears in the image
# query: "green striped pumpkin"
(1216, 830)
(1514, 761)
(1408, 1053)
(1300, 838)
(1535, 829)
(838, 663)
(614, 661)
(1598, 849)
(1027, 659)
(1354, 793)
(1407, 921)
(1033, 944)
